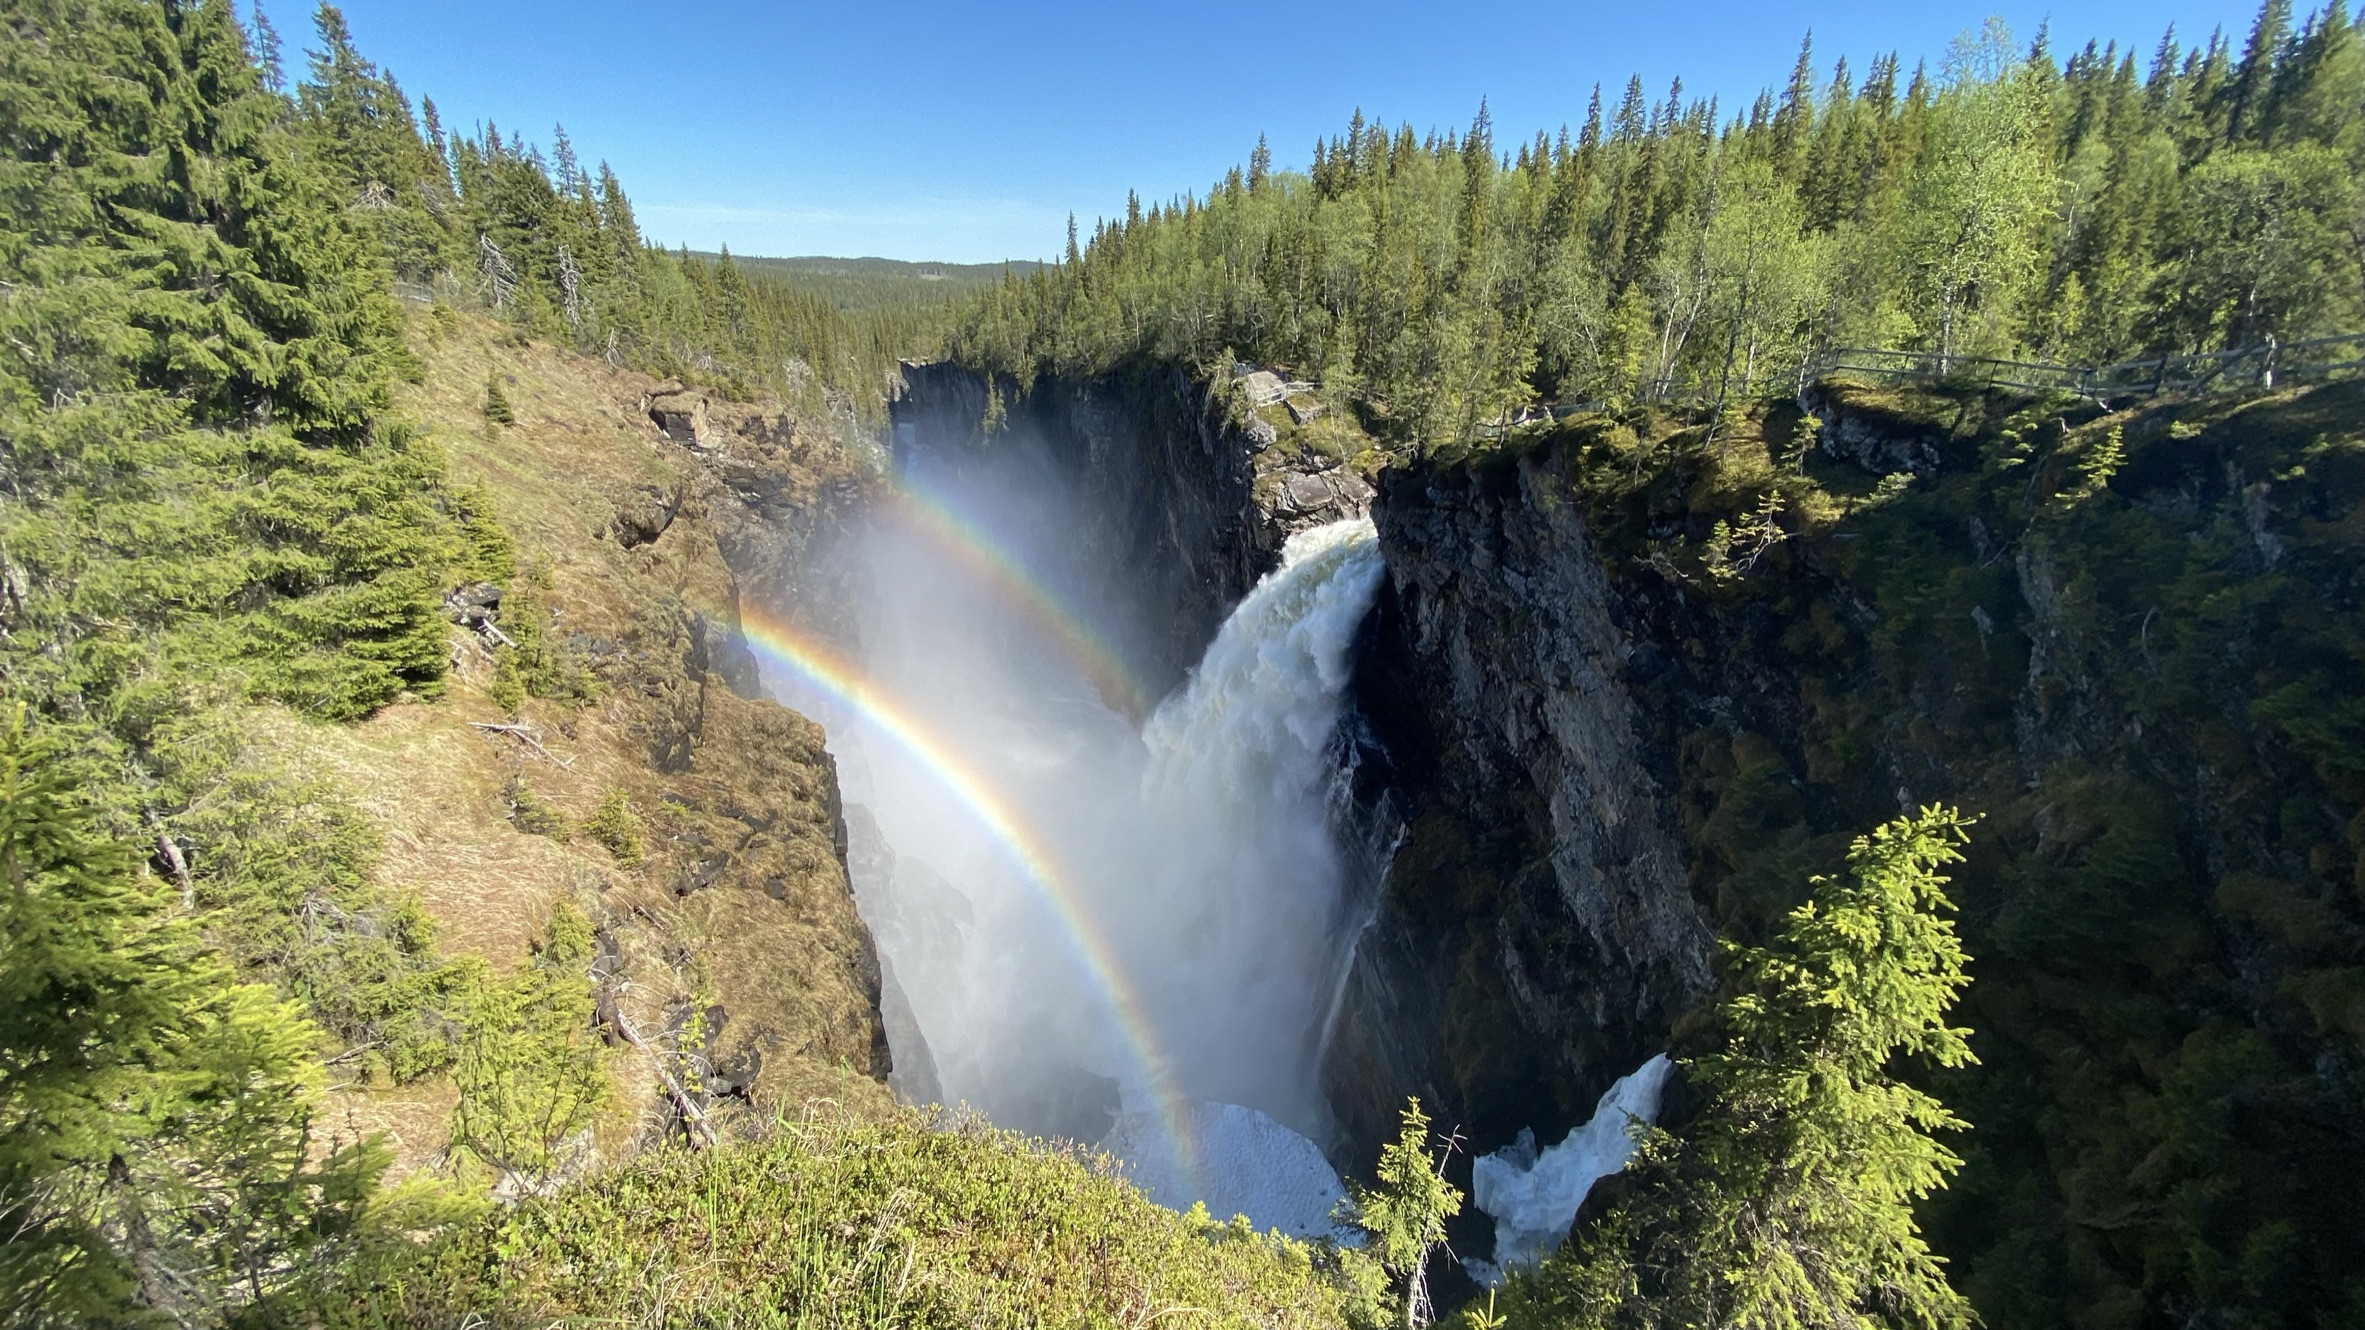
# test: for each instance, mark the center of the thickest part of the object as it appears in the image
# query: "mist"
(1169, 931)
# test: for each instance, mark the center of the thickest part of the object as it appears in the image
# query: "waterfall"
(1247, 888)
(1098, 931)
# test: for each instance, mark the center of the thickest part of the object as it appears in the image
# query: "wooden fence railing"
(2262, 365)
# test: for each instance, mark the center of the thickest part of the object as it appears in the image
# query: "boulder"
(681, 414)
(472, 603)
(1306, 493)
(1304, 413)
(645, 515)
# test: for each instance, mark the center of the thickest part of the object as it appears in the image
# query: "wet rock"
(1332, 494)
(1540, 893)
(1304, 494)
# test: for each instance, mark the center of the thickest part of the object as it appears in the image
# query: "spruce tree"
(1786, 1202)
(213, 350)
(154, 1111)
(1403, 1214)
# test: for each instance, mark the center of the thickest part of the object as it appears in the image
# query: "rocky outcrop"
(680, 413)
(1536, 936)
(777, 493)
(729, 939)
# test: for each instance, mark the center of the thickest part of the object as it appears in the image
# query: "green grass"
(910, 1222)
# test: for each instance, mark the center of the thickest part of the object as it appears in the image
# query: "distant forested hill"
(867, 284)
(480, 218)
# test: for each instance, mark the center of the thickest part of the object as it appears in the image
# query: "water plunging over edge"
(1205, 908)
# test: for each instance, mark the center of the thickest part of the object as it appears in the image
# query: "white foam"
(1244, 1163)
(1534, 1197)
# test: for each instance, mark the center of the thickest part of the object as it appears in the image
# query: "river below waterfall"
(1121, 933)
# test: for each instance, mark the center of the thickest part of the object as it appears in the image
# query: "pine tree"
(2253, 82)
(266, 45)
(1795, 118)
(217, 348)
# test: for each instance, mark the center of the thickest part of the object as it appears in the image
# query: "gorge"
(1581, 758)
(1164, 928)
(552, 778)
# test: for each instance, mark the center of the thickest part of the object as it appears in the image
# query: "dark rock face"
(1154, 480)
(1536, 936)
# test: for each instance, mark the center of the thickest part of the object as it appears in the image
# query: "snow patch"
(1533, 1197)
(1246, 1164)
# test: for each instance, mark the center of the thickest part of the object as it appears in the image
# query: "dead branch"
(522, 735)
(673, 1089)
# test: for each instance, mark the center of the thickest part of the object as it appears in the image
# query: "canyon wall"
(1535, 936)
(1639, 679)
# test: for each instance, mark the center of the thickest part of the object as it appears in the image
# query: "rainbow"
(802, 654)
(950, 531)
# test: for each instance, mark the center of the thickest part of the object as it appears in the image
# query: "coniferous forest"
(2089, 206)
(225, 261)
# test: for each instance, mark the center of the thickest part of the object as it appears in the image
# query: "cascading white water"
(1123, 916)
(1245, 895)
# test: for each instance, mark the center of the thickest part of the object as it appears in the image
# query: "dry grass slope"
(736, 936)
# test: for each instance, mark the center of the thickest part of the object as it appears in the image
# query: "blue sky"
(968, 133)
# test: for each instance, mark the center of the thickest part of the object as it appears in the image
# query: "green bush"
(281, 873)
(614, 825)
(530, 1072)
(544, 666)
(496, 403)
(156, 1155)
(530, 814)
